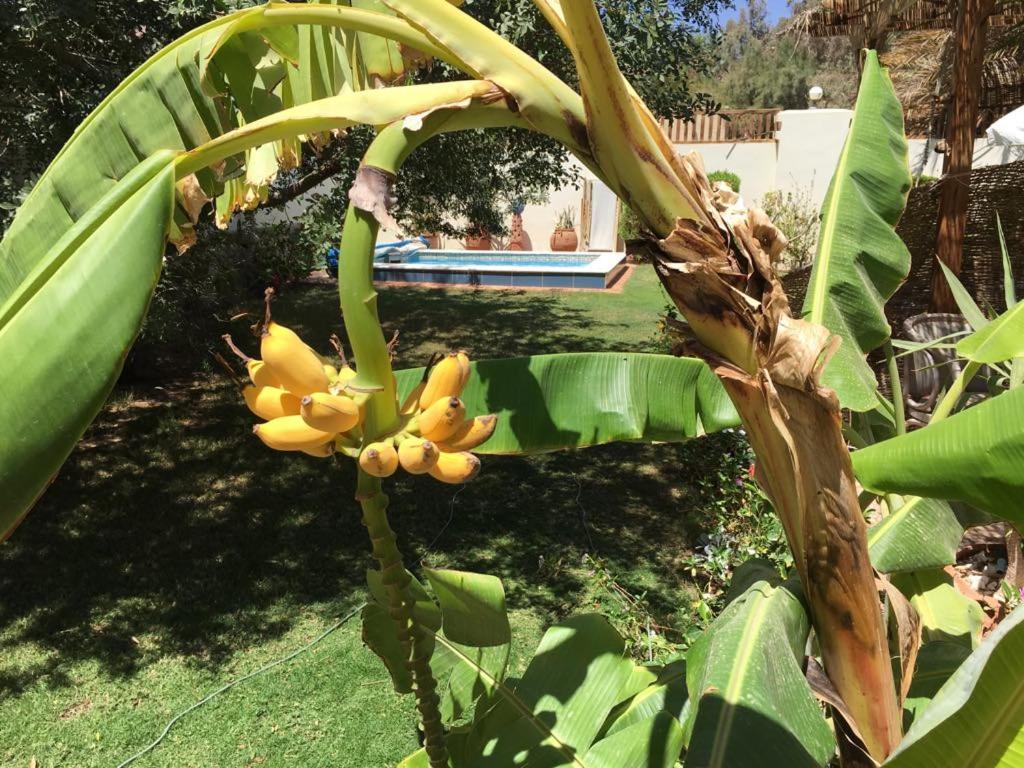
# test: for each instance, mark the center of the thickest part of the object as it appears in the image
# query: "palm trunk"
(967, 70)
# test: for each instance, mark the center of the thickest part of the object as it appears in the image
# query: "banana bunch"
(303, 397)
(437, 437)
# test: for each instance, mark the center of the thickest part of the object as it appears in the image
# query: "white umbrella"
(1008, 129)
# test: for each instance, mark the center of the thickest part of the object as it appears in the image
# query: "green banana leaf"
(476, 639)
(1000, 340)
(975, 456)
(553, 402)
(946, 614)
(750, 702)
(860, 260)
(665, 693)
(66, 330)
(936, 663)
(923, 533)
(554, 714)
(977, 718)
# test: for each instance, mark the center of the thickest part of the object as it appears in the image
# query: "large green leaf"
(65, 331)
(665, 693)
(861, 261)
(1000, 340)
(923, 533)
(976, 456)
(472, 607)
(977, 717)
(936, 663)
(553, 715)
(750, 702)
(552, 402)
(945, 613)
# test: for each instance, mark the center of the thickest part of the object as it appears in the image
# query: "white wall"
(924, 161)
(802, 159)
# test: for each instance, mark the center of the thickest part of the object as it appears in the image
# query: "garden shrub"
(797, 218)
(728, 177)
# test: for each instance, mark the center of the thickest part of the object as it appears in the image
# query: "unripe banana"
(445, 380)
(417, 456)
(295, 365)
(464, 365)
(330, 413)
(412, 402)
(346, 374)
(455, 468)
(270, 402)
(442, 419)
(291, 433)
(332, 373)
(321, 452)
(379, 459)
(260, 374)
(471, 434)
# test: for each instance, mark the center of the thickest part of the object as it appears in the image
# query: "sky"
(776, 10)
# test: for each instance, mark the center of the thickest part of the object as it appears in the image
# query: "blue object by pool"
(507, 269)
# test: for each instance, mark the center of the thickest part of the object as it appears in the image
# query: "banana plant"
(211, 118)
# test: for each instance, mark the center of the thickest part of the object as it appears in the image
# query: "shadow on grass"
(172, 532)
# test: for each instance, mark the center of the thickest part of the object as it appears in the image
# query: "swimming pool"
(506, 269)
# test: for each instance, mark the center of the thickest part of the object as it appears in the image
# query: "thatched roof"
(919, 54)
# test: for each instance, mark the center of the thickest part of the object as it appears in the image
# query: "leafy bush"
(629, 224)
(728, 177)
(202, 287)
(797, 218)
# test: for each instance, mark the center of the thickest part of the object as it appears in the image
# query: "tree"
(65, 336)
(67, 55)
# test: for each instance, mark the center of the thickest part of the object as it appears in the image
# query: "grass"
(173, 553)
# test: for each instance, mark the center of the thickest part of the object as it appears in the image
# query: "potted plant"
(478, 239)
(519, 239)
(565, 237)
(434, 241)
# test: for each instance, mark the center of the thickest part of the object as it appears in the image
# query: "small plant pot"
(478, 242)
(433, 240)
(565, 240)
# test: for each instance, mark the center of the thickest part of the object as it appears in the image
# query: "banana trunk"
(715, 261)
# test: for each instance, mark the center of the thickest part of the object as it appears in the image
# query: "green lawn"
(174, 553)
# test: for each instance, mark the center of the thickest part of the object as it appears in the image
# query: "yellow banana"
(417, 456)
(332, 373)
(445, 380)
(471, 434)
(412, 402)
(463, 359)
(330, 413)
(379, 459)
(320, 452)
(455, 468)
(270, 402)
(295, 365)
(260, 374)
(442, 419)
(291, 433)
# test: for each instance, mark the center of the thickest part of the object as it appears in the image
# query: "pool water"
(504, 269)
(485, 259)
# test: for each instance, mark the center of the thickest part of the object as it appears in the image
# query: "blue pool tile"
(495, 280)
(558, 281)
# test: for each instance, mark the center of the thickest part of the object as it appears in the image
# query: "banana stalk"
(370, 201)
(715, 261)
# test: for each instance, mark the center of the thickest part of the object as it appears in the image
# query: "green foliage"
(798, 219)
(566, 218)
(750, 701)
(761, 67)
(728, 177)
(860, 260)
(975, 718)
(630, 227)
(553, 402)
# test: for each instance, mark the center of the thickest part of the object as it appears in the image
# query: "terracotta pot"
(565, 240)
(478, 242)
(518, 238)
(433, 240)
